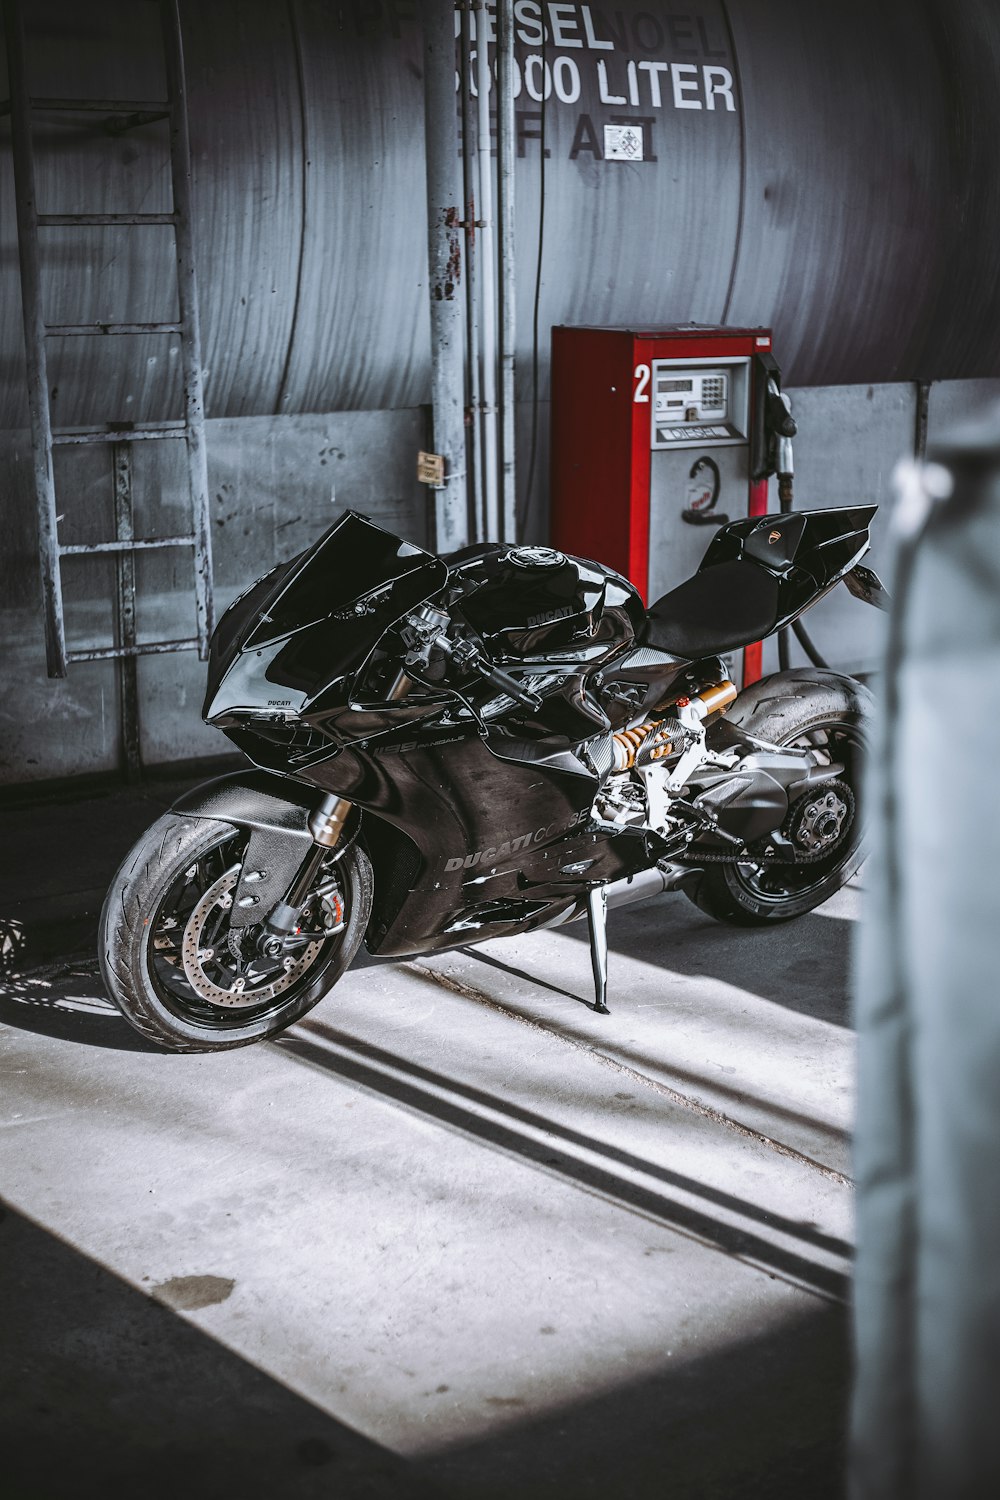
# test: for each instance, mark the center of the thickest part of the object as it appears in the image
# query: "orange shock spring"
(628, 743)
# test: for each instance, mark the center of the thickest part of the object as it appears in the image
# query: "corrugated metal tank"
(829, 170)
(848, 196)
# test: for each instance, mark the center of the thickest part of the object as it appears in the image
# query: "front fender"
(275, 811)
(252, 799)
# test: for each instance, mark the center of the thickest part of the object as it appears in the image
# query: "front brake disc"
(231, 989)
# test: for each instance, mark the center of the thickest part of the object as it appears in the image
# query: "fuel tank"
(532, 602)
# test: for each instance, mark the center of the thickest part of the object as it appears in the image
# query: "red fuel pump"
(657, 437)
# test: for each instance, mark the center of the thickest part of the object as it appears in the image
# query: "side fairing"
(467, 840)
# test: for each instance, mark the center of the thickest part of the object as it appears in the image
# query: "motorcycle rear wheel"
(802, 708)
(173, 965)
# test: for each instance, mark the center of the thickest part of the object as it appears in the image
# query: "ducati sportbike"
(453, 749)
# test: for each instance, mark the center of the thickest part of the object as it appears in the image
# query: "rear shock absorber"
(628, 743)
(656, 739)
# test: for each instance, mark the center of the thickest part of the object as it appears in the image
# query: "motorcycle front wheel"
(182, 975)
(830, 715)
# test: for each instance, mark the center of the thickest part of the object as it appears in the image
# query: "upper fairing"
(315, 620)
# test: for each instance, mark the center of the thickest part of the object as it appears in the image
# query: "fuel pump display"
(698, 407)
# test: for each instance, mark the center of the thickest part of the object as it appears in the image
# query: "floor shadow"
(808, 1233)
(367, 1066)
(803, 965)
(540, 984)
(679, 1077)
(67, 1001)
(763, 1418)
(98, 830)
(57, 897)
(104, 1391)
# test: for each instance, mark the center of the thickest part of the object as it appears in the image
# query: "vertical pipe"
(187, 306)
(469, 164)
(488, 345)
(444, 258)
(34, 343)
(128, 666)
(920, 420)
(505, 206)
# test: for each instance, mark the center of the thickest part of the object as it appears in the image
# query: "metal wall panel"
(849, 441)
(276, 483)
(363, 323)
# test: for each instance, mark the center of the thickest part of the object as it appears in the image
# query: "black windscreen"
(353, 560)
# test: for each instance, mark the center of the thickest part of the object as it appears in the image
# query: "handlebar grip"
(499, 679)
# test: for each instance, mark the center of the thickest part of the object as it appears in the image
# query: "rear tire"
(154, 900)
(809, 707)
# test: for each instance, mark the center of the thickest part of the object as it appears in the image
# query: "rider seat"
(720, 608)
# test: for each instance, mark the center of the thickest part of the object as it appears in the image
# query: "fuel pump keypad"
(700, 404)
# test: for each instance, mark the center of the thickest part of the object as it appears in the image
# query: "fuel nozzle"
(782, 424)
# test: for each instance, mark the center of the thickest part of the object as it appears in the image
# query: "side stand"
(597, 921)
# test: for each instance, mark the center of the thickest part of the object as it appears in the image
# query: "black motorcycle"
(456, 749)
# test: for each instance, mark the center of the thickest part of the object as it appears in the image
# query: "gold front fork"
(326, 822)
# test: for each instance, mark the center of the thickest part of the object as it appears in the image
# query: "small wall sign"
(430, 469)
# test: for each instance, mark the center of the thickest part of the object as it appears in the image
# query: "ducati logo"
(512, 846)
(549, 616)
(775, 536)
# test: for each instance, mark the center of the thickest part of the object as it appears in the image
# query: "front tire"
(171, 962)
(825, 712)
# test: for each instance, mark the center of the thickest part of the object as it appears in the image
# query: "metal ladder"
(126, 114)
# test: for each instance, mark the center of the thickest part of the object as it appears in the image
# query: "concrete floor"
(453, 1234)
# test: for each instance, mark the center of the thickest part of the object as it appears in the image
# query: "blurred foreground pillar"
(927, 1396)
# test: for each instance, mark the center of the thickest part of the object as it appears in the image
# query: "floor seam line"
(684, 1101)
